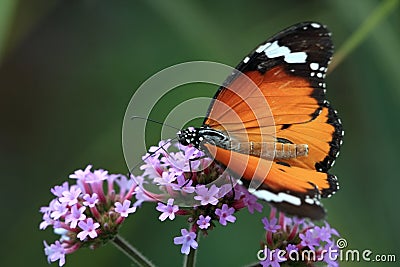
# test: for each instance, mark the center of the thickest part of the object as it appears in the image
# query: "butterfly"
(270, 125)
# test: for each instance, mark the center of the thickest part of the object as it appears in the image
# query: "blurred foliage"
(69, 68)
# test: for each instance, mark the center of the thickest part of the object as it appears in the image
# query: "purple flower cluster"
(186, 186)
(89, 212)
(299, 242)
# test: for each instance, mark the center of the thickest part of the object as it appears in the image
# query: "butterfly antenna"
(233, 187)
(158, 122)
(152, 154)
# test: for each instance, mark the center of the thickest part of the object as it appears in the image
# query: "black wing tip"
(307, 23)
(304, 36)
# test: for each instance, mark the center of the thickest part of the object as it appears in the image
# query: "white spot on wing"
(314, 66)
(280, 197)
(246, 59)
(262, 47)
(315, 25)
(274, 50)
(297, 57)
(309, 200)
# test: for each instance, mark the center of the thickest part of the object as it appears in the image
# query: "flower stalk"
(190, 260)
(131, 252)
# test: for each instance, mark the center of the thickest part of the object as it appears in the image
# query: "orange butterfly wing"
(298, 113)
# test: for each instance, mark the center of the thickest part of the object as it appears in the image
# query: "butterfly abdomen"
(270, 150)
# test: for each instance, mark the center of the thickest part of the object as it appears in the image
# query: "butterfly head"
(190, 136)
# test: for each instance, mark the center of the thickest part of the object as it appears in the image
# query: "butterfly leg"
(191, 169)
(232, 186)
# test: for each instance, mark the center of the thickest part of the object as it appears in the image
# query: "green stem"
(131, 252)
(190, 260)
(362, 32)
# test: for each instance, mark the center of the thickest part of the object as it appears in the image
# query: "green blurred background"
(69, 68)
